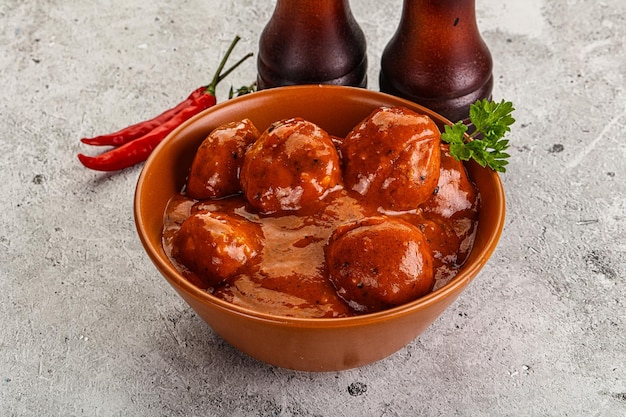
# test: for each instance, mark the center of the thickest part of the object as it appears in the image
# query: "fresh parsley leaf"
(486, 144)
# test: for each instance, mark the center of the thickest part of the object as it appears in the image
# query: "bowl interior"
(337, 110)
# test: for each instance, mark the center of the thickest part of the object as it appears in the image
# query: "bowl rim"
(166, 268)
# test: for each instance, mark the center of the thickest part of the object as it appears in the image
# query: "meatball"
(378, 263)
(392, 158)
(444, 245)
(216, 246)
(215, 168)
(455, 195)
(451, 215)
(292, 166)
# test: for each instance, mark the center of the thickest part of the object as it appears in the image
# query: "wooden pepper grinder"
(437, 57)
(312, 42)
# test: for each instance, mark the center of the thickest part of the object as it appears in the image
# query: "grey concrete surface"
(89, 328)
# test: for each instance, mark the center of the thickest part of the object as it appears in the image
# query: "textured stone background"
(89, 328)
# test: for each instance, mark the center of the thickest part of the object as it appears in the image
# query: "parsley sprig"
(486, 144)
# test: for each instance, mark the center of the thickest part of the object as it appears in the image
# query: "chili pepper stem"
(234, 66)
(219, 76)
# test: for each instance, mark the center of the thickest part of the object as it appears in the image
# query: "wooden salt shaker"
(437, 57)
(312, 42)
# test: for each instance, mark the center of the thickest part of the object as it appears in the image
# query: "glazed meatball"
(216, 166)
(379, 263)
(444, 247)
(292, 166)
(216, 246)
(392, 158)
(455, 194)
(451, 215)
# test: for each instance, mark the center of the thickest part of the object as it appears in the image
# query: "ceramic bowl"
(298, 343)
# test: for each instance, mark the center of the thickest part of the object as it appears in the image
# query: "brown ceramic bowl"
(297, 343)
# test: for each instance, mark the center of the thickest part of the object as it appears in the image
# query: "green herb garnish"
(485, 144)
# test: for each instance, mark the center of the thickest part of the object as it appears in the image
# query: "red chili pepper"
(137, 149)
(138, 130)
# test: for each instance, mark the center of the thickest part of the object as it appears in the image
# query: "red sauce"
(321, 226)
